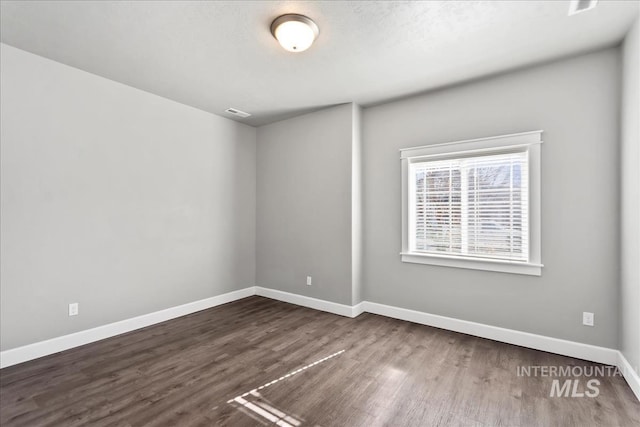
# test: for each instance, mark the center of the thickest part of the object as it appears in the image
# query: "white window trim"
(531, 141)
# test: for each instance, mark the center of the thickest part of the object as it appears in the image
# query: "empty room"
(320, 213)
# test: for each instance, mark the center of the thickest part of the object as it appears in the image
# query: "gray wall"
(304, 204)
(129, 203)
(357, 281)
(120, 200)
(576, 102)
(630, 221)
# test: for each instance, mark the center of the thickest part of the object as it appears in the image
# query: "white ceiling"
(219, 54)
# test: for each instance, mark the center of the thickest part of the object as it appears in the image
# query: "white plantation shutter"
(474, 206)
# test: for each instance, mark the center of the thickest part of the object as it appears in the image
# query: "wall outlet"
(587, 318)
(73, 309)
(308, 280)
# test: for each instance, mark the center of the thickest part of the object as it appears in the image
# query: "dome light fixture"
(294, 32)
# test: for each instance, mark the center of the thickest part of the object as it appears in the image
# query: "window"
(474, 204)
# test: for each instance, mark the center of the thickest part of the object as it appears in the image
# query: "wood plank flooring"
(228, 366)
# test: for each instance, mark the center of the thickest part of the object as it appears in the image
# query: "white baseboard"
(538, 342)
(630, 374)
(65, 342)
(525, 339)
(357, 309)
(317, 304)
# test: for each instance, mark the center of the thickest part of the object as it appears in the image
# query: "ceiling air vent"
(577, 6)
(237, 113)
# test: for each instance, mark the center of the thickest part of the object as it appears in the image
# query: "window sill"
(515, 267)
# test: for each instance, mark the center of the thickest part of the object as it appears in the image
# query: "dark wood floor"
(211, 368)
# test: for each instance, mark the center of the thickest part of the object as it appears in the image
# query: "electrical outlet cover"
(587, 318)
(73, 309)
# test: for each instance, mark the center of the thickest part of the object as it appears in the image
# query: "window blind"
(471, 206)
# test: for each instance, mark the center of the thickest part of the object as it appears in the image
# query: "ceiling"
(219, 54)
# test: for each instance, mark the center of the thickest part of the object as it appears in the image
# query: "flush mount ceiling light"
(294, 32)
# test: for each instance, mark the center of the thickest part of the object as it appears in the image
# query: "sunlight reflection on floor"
(257, 407)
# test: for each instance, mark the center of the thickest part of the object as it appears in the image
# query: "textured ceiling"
(215, 55)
